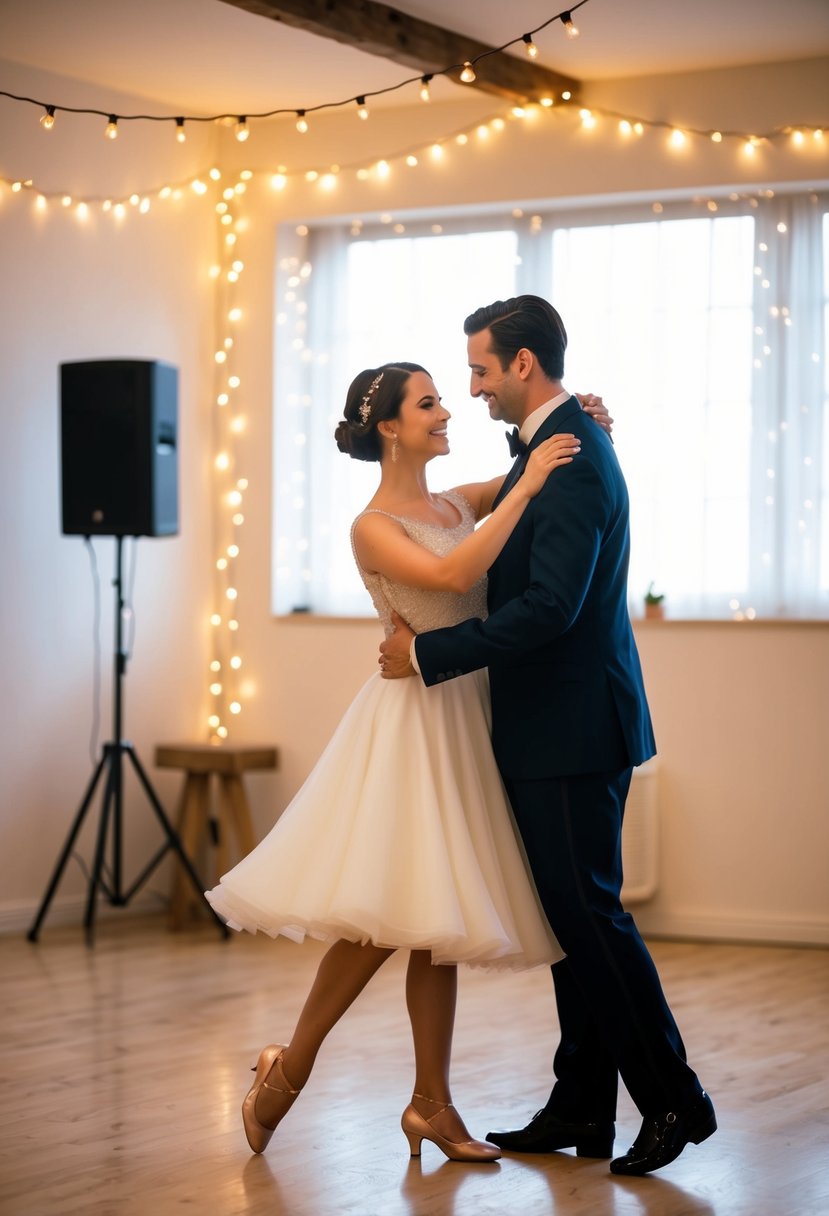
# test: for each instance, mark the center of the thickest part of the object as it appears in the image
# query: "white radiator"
(640, 836)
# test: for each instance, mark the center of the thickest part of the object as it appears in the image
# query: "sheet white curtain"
(735, 523)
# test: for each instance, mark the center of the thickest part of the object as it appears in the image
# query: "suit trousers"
(613, 1015)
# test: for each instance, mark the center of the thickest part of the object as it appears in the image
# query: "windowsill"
(306, 618)
(776, 621)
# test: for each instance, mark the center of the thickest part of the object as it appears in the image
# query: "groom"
(569, 723)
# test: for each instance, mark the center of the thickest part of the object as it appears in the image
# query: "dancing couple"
(469, 806)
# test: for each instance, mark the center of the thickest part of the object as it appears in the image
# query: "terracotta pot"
(654, 612)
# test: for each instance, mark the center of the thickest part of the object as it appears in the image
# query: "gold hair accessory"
(365, 404)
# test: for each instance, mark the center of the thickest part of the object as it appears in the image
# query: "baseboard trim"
(18, 917)
(757, 931)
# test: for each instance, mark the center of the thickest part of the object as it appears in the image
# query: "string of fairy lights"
(436, 151)
(465, 71)
(228, 683)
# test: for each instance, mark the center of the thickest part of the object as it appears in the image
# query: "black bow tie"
(517, 447)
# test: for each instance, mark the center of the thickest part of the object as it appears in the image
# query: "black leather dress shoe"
(545, 1133)
(661, 1140)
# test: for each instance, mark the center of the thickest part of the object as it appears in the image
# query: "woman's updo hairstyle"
(375, 395)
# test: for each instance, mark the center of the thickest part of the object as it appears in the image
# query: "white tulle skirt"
(401, 836)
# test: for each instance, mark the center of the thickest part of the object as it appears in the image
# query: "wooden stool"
(227, 762)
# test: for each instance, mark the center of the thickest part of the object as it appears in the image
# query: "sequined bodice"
(423, 609)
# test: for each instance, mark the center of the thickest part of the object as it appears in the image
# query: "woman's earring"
(394, 451)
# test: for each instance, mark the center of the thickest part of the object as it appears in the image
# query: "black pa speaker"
(119, 424)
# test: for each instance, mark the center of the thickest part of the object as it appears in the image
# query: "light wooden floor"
(124, 1068)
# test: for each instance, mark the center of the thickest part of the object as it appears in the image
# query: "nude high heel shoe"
(257, 1133)
(417, 1128)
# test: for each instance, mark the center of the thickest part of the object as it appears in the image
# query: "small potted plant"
(654, 605)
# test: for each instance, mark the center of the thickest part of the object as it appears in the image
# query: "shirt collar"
(534, 420)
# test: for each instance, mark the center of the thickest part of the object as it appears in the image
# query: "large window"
(706, 335)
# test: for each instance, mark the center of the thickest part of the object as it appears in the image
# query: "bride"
(402, 836)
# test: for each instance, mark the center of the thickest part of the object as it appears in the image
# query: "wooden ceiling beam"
(380, 30)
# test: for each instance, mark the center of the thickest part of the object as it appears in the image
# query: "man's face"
(503, 391)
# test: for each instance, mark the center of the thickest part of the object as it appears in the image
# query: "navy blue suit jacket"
(567, 690)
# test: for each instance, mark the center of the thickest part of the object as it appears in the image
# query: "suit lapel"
(555, 422)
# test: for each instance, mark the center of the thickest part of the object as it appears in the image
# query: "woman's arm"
(382, 546)
(482, 494)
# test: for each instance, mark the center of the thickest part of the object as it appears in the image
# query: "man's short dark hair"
(523, 321)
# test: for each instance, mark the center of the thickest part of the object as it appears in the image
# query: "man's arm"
(568, 522)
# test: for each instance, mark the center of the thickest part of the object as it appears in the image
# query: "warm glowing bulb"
(279, 181)
(797, 138)
(468, 73)
(749, 147)
(181, 134)
(215, 689)
(566, 95)
(235, 707)
(215, 619)
(222, 461)
(382, 168)
(220, 356)
(411, 160)
(639, 128)
(519, 112)
(242, 129)
(48, 119)
(532, 49)
(570, 28)
(716, 137)
(677, 138)
(231, 593)
(625, 128)
(221, 563)
(111, 131)
(215, 665)
(362, 108)
(437, 152)
(233, 550)
(221, 731)
(587, 118)
(235, 662)
(425, 95)
(301, 123)
(547, 102)
(232, 625)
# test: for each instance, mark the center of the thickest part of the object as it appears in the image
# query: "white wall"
(76, 289)
(741, 711)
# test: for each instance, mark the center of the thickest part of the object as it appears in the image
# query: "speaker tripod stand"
(111, 768)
